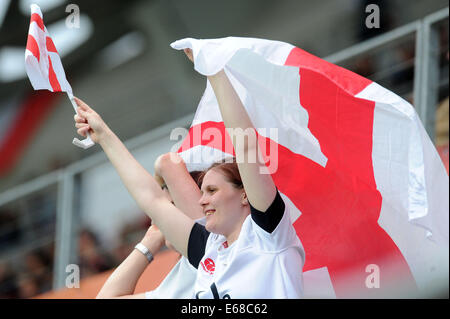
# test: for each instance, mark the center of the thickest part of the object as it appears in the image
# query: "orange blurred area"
(442, 131)
(150, 279)
(443, 153)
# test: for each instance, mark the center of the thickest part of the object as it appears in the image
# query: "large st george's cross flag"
(368, 191)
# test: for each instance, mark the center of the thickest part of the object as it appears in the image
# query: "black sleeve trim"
(269, 219)
(197, 244)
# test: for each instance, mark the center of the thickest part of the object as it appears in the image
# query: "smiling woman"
(238, 236)
(223, 199)
(248, 226)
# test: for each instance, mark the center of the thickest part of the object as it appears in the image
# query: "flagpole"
(87, 142)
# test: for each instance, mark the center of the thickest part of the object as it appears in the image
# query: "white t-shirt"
(266, 260)
(179, 283)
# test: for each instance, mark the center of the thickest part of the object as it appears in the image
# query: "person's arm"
(171, 171)
(182, 188)
(122, 282)
(260, 188)
(175, 225)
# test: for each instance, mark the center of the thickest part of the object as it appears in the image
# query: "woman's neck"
(234, 235)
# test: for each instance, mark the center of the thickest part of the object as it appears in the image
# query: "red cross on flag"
(367, 191)
(42, 61)
(43, 64)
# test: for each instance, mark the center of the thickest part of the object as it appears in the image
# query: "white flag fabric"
(42, 61)
(369, 191)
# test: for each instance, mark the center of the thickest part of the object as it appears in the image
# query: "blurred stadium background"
(62, 205)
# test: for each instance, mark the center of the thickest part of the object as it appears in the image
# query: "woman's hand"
(189, 54)
(87, 120)
(122, 282)
(166, 161)
(153, 239)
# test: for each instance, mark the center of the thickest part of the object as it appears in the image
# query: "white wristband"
(145, 251)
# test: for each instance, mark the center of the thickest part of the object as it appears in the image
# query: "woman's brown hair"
(228, 169)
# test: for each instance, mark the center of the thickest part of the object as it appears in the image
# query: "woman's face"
(222, 204)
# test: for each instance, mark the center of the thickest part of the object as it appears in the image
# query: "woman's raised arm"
(122, 282)
(260, 188)
(175, 225)
(182, 187)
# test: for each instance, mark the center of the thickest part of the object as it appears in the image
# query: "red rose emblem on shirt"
(208, 265)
